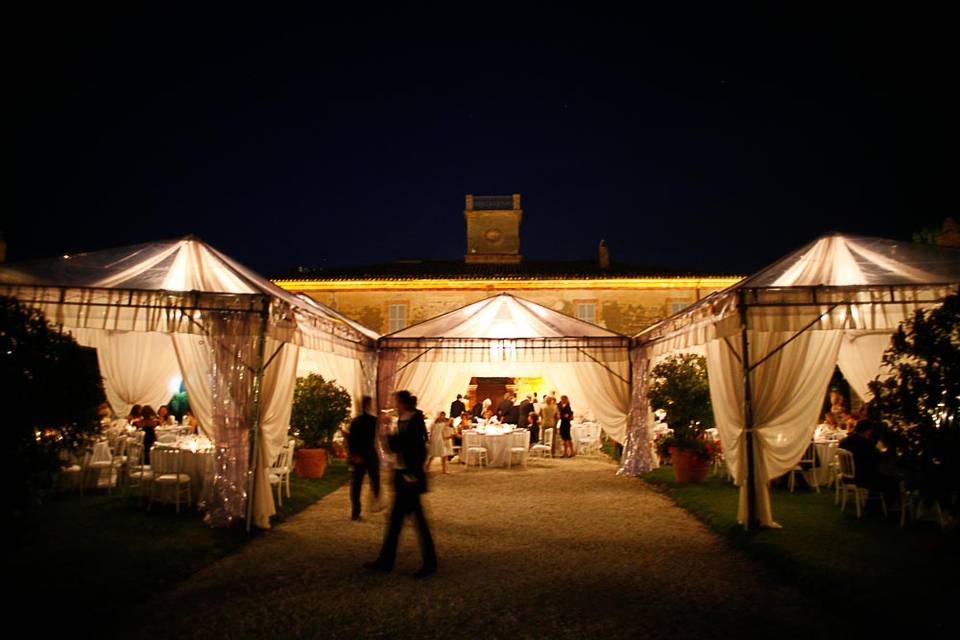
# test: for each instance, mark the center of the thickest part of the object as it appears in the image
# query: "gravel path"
(563, 550)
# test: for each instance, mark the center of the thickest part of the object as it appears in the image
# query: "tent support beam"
(751, 520)
(793, 337)
(612, 372)
(254, 447)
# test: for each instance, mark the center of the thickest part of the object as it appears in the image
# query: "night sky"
(709, 139)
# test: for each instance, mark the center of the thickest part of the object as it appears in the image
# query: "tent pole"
(751, 520)
(254, 447)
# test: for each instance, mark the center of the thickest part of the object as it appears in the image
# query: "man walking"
(457, 408)
(361, 442)
(409, 482)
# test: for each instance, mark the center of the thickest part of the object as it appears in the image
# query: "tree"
(320, 407)
(55, 388)
(921, 396)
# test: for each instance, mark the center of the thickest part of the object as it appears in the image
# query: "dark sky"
(709, 139)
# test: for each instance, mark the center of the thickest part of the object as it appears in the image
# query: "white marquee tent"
(160, 311)
(772, 341)
(506, 336)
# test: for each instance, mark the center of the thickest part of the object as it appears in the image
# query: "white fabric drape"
(787, 392)
(861, 359)
(276, 402)
(590, 386)
(137, 368)
(347, 372)
(196, 365)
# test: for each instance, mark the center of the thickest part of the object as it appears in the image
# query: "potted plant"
(320, 407)
(680, 389)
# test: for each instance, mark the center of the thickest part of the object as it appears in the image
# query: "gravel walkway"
(564, 549)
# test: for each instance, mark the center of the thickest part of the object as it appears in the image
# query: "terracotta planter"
(687, 467)
(311, 463)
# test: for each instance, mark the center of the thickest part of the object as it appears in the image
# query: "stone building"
(388, 297)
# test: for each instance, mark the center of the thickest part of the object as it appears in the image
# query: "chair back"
(471, 439)
(548, 437)
(810, 455)
(283, 460)
(520, 439)
(120, 446)
(134, 453)
(848, 470)
(164, 460)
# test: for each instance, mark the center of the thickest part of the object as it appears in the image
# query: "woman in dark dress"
(148, 423)
(533, 423)
(566, 418)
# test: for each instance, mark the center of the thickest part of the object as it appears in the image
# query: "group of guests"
(146, 419)
(530, 413)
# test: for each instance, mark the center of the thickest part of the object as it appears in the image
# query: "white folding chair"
(276, 473)
(810, 458)
(166, 465)
(544, 448)
(589, 442)
(138, 474)
(519, 446)
(847, 473)
(475, 451)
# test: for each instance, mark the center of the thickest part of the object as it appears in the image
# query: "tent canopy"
(508, 336)
(835, 301)
(236, 339)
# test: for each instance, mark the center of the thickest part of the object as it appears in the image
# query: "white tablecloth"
(196, 460)
(498, 446)
(820, 474)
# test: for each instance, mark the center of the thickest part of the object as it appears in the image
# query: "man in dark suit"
(409, 482)
(457, 408)
(362, 444)
(507, 410)
(523, 411)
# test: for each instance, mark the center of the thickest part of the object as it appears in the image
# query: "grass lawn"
(868, 566)
(107, 555)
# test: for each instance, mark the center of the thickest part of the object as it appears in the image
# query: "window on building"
(677, 307)
(587, 311)
(397, 317)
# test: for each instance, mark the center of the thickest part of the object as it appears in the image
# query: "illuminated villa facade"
(388, 297)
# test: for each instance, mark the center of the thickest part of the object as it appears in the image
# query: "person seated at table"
(827, 427)
(465, 421)
(866, 459)
(533, 423)
(164, 416)
(148, 423)
(489, 418)
(189, 420)
(848, 422)
(134, 414)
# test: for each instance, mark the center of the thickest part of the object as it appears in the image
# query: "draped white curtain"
(591, 387)
(346, 371)
(137, 367)
(860, 359)
(787, 392)
(196, 366)
(276, 403)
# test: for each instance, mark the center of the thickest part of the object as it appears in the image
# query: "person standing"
(409, 482)
(526, 406)
(533, 423)
(362, 445)
(506, 409)
(548, 420)
(441, 441)
(457, 407)
(566, 422)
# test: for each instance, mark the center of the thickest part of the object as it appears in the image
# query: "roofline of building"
(415, 283)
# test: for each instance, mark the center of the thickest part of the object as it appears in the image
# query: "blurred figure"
(548, 419)
(409, 482)
(134, 414)
(190, 420)
(147, 423)
(163, 415)
(363, 456)
(533, 423)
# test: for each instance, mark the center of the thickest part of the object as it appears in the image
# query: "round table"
(196, 460)
(498, 443)
(826, 452)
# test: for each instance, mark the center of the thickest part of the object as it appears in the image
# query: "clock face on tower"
(493, 235)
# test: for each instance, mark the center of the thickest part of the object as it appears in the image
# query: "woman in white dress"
(441, 441)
